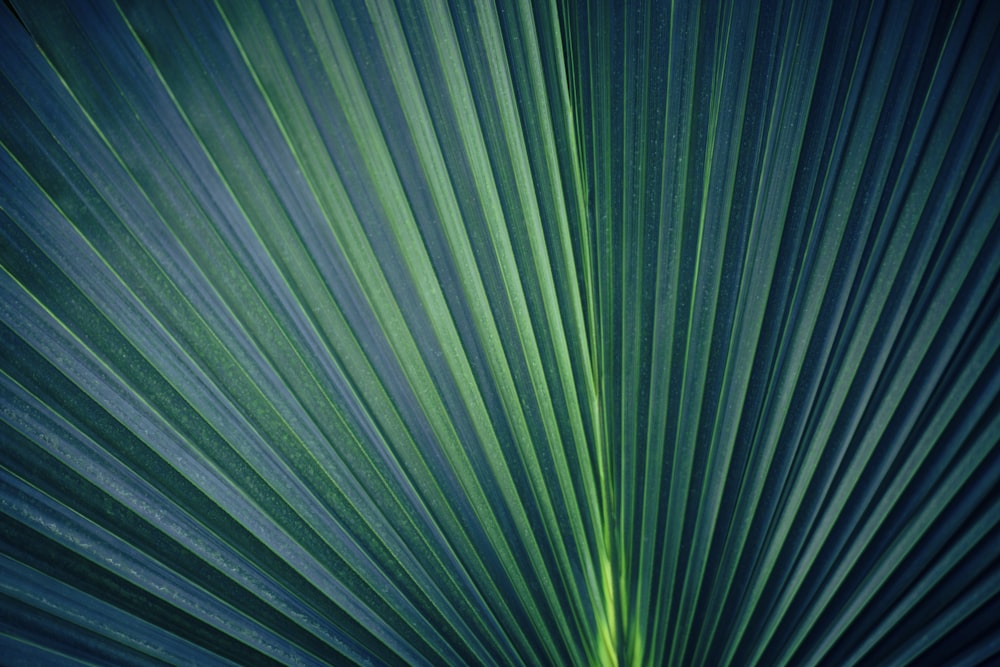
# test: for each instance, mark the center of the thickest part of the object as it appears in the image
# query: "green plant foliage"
(498, 332)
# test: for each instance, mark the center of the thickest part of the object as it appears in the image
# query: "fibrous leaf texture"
(491, 332)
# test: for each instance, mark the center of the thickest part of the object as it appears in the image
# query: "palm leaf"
(515, 333)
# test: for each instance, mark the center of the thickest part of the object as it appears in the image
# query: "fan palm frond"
(499, 332)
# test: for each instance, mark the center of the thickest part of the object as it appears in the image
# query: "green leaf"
(557, 333)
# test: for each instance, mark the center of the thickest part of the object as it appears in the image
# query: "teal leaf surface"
(492, 332)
